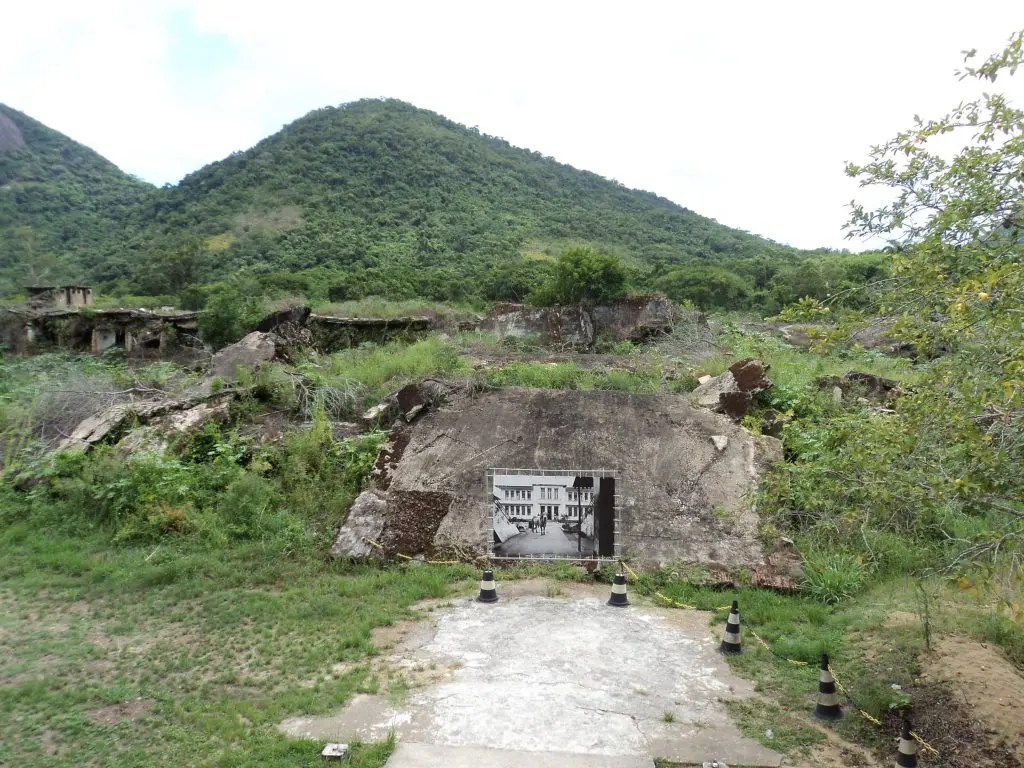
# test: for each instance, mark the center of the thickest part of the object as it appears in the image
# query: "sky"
(742, 111)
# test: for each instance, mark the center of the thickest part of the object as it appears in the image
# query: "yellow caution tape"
(925, 744)
(373, 543)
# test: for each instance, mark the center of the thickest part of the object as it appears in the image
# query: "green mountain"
(61, 204)
(369, 197)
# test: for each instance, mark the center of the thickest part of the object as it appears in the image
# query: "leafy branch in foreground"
(945, 467)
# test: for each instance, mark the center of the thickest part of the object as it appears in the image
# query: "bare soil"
(113, 714)
(986, 689)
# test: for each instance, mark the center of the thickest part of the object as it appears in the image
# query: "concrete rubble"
(734, 391)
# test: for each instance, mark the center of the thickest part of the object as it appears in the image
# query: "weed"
(669, 717)
(832, 578)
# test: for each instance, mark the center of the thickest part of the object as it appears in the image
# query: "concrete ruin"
(682, 474)
(59, 296)
(27, 331)
(633, 319)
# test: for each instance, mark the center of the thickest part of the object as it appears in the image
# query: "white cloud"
(743, 111)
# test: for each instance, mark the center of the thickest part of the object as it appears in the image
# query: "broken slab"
(679, 497)
(173, 415)
(570, 327)
(364, 524)
(252, 350)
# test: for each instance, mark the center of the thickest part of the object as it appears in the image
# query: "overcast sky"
(742, 111)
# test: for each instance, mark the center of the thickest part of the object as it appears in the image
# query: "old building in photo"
(535, 496)
(548, 513)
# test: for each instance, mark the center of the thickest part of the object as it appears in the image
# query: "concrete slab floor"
(548, 675)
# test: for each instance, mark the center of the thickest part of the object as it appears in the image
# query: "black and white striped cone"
(731, 640)
(828, 700)
(906, 753)
(618, 598)
(488, 592)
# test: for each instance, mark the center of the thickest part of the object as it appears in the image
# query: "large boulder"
(253, 350)
(734, 391)
(681, 495)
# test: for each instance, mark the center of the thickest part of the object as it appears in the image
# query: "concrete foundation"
(548, 676)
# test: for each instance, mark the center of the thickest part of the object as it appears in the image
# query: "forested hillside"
(61, 204)
(374, 197)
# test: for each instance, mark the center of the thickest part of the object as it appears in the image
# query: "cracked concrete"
(542, 675)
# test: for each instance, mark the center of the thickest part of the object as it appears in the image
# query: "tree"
(946, 465)
(583, 276)
(706, 287)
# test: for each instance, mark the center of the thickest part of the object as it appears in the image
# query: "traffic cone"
(731, 640)
(488, 592)
(906, 753)
(618, 598)
(828, 701)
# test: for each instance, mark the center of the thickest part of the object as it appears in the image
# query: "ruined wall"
(330, 334)
(575, 327)
(680, 497)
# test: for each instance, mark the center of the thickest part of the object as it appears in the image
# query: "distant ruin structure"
(43, 297)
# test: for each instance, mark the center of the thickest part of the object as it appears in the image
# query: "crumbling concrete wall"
(566, 326)
(633, 319)
(682, 495)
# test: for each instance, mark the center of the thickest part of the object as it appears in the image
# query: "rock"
(734, 391)
(773, 422)
(254, 349)
(410, 401)
(704, 379)
(335, 752)
(112, 422)
(671, 478)
(783, 568)
(837, 395)
(365, 523)
(720, 441)
(383, 413)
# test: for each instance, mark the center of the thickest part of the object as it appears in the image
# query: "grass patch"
(224, 643)
(767, 723)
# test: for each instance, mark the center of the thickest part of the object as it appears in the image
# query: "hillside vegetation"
(375, 197)
(62, 206)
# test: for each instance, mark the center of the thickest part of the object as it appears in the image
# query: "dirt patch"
(132, 710)
(828, 755)
(901, 618)
(48, 741)
(990, 689)
(951, 725)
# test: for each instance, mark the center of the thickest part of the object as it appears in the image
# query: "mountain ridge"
(372, 185)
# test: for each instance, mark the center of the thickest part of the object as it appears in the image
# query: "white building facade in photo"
(524, 497)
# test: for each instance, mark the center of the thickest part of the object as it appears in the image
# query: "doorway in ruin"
(552, 513)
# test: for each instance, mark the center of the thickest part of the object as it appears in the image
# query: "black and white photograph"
(544, 515)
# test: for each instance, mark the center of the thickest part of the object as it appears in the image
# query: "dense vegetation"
(62, 206)
(373, 198)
